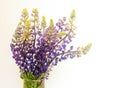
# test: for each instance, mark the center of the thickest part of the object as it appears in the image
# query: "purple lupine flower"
(36, 47)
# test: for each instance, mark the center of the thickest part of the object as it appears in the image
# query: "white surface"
(98, 21)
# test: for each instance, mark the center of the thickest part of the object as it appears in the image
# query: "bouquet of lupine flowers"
(36, 46)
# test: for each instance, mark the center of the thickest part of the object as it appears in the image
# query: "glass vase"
(33, 83)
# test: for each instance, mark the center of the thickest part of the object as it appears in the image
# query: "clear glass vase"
(33, 83)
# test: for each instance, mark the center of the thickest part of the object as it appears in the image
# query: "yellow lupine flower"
(25, 12)
(19, 24)
(43, 23)
(43, 19)
(26, 31)
(86, 48)
(72, 16)
(51, 22)
(28, 23)
(35, 10)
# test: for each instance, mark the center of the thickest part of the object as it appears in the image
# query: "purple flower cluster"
(36, 46)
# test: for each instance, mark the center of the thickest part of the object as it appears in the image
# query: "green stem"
(33, 83)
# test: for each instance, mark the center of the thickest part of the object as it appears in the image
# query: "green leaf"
(41, 76)
(29, 76)
(61, 34)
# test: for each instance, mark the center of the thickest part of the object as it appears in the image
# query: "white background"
(98, 21)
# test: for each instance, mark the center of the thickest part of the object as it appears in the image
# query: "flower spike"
(37, 47)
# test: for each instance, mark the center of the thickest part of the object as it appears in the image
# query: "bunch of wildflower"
(36, 47)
